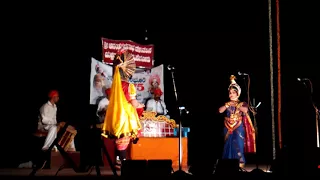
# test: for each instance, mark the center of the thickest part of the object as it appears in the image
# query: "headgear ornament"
(157, 91)
(53, 93)
(127, 64)
(234, 85)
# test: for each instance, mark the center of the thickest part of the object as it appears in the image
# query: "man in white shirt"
(48, 120)
(156, 104)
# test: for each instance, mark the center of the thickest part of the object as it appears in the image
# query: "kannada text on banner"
(143, 54)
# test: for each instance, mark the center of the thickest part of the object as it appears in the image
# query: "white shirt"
(157, 106)
(102, 106)
(48, 113)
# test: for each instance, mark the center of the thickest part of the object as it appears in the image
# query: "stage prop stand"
(69, 159)
(317, 123)
(253, 108)
(105, 151)
(180, 171)
(315, 108)
(271, 81)
(61, 150)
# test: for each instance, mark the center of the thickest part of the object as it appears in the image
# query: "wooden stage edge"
(104, 171)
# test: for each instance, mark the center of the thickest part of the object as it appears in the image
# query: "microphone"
(302, 79)
(170, 67)
(242, 74)
(258, 104)
(184, 108)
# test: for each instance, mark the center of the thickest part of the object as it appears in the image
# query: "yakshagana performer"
(122, 118)
(238, 130)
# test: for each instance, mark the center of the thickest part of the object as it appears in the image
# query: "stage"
(104, 171)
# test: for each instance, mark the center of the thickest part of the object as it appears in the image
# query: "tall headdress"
(234, 85)
(126, 63)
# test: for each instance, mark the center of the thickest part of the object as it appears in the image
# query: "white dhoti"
(52, 135)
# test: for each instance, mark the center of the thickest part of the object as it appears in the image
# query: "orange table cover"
(160, 148)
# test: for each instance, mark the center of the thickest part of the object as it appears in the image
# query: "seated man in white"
(48, 121)
(156, 104)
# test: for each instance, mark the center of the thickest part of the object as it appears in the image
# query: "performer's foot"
(118, 167)
(118, 164)
(241, 165)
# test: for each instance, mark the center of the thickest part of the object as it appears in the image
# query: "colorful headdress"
(127, 63)
(157, 91)
(53, 93)
(234, 85)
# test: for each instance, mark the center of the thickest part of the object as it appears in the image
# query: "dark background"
(46, 50)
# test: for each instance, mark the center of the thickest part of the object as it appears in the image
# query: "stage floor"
(104, 171)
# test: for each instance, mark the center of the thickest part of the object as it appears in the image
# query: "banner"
(144, 80)
(143, 54)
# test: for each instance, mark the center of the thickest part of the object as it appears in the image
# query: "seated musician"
(48, 121)
(156, 104)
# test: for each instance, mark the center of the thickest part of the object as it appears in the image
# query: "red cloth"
(125, 88)
(108, 91)
(157, 91)
(249, 143)
(122, 143)
(53, 93)
(140, 111)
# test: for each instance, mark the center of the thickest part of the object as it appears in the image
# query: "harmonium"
(156, 126)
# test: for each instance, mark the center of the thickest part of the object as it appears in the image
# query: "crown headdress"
(127, 65)
(234, 84)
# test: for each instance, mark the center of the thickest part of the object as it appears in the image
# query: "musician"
(156, 104)
(48, 121)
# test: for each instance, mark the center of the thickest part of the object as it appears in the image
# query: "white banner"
(144, 80)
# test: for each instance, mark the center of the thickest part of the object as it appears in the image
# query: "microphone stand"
(316, 109)
(253, 109)
(180, 172)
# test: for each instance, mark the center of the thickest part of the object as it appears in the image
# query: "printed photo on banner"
(145, 80)
(100, 80)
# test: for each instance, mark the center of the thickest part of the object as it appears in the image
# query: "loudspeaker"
(133, 168)
(227, 167)
(160, 167)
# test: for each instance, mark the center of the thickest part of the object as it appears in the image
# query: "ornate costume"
(122, 120)
(239, 132)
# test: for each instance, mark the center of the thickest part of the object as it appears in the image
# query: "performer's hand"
(140, 106)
